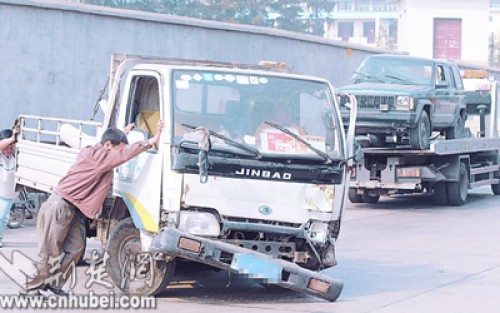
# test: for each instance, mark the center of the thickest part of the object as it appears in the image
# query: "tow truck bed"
(443, 147)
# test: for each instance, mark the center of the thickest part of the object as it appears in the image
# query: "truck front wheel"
(496, 187)
(440, 194)
(420, 136)
(354, 197)
(134, 271)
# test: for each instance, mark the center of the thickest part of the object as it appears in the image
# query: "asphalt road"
(401, 255)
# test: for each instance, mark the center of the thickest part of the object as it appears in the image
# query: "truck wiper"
(322, 154)
(365, 75)
(233, 143)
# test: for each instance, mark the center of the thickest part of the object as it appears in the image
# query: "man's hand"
(129, 128)
(159, 128)
(16, 130)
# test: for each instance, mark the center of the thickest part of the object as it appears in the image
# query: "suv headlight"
(404, 103)
(199, 224)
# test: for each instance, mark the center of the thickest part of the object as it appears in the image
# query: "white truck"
(230, 185)
(449, 167)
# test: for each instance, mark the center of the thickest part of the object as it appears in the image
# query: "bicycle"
(25, 207)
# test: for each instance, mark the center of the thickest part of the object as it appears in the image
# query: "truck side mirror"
(203, 166)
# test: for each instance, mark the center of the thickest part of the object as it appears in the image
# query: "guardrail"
(58, 131)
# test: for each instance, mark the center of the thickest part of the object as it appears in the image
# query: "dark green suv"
(403, 99)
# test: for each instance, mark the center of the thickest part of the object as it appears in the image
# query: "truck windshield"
(395, 70)
(241, 107)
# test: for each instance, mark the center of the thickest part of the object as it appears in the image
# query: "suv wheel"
(420, 136)
(457, 130)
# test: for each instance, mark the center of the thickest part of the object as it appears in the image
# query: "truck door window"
(218, 104)
(144, 104)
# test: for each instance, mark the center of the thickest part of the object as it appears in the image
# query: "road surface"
(403, 254)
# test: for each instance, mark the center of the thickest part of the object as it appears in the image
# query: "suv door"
(457, 92)
(443, 109)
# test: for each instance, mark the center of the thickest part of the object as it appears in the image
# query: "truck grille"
(370, 102)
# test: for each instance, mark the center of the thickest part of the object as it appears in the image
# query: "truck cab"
(251, 167)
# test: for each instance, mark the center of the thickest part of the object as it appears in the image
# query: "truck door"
(138, 182)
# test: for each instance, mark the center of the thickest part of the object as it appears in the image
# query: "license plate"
(256, 267)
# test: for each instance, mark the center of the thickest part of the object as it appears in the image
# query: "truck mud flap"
(254, 265)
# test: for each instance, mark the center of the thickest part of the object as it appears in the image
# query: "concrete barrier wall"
(54, 55)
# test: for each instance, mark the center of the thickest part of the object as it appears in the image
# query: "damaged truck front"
(249, 176)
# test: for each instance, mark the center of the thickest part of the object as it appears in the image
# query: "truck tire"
(354, 197)
(457, 191)
(496, 189)
(367, 198)
(457, 130)
(440, 194)
(124, 243)
(420, 136)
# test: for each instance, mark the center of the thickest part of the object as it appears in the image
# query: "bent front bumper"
(378, 122)
(254, 265)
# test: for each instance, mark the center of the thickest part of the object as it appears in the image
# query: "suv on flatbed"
(403, 99)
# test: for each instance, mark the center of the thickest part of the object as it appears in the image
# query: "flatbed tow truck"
(448, 168)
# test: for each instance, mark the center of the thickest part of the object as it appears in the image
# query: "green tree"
(293, 15)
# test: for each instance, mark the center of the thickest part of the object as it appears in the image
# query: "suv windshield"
(394, 70)
(244, 107)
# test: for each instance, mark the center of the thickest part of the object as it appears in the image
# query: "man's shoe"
(54, 291)
(82, 262)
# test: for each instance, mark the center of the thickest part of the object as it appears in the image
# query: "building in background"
(445, 29)
(494, 31)
(369, 22)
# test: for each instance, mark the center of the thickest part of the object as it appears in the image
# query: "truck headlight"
(199, 224)
(317, 232)
(404, 103)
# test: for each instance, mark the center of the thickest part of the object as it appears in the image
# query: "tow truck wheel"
(420, 136)
(496, 187)
(457, 191)
(134, 271)
(440, 194)
(354, 197)
(367, 198)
